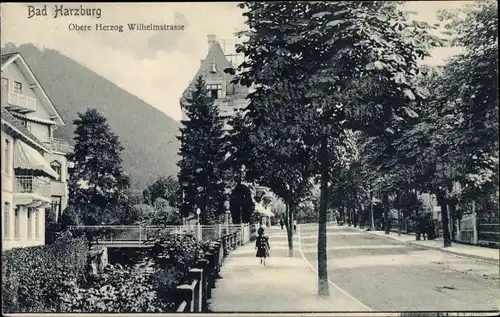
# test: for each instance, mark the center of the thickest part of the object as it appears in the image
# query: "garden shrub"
(148, 286)
(120, 289)
(33, 278)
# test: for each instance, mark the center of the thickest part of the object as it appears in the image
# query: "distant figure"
(282, 223)
(262, 246)
(295, 225)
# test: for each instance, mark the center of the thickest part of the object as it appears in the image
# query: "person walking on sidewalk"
(295, 225)
(282, 223)
(262, 246)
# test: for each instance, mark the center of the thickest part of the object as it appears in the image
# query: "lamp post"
(198, 212)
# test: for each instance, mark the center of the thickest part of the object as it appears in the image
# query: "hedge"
(34, 278)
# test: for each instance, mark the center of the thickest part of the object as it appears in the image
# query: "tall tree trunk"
(444, 220)
(323, 289)
(385, 203)
(398, 200)
(454, 222)
(354, 216)
(372, 220)
(289, 228)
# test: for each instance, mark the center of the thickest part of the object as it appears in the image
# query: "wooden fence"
(194, 295)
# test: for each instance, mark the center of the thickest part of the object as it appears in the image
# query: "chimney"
(211, 40)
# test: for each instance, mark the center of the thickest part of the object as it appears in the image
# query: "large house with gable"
(34, 164)
(229, 97)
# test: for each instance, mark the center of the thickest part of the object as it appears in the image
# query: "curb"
(416, 244)
(464, 255)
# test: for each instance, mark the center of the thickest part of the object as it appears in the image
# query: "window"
(6, 221)
(215, 91)
(37, 225)
(18, 87)
(30, 223)
(7, 157)
(17, 229)
(55, 206)
(56, 166)
(5, 85)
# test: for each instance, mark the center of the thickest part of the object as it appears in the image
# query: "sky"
(156, 66)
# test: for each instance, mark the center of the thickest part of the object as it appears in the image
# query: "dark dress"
(262, 245)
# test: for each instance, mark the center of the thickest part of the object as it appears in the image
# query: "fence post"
(186, 294)
(198, 232)
(196, 275)
(218, 258)
(210, 274)
(203, 264)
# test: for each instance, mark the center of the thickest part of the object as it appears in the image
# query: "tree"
(467, 93)
(97, 182)
(241, 204)
(456, 139)
(165, 214)
(203, 151)
(166, 187)
(314, 55)
(273, 154)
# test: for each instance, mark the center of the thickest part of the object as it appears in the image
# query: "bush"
(34, 278)
(174, 256)
(119, 289)
(148, 286)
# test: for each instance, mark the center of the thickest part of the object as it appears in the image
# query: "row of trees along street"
(342, 101)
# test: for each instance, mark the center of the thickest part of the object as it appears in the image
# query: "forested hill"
(147, 134)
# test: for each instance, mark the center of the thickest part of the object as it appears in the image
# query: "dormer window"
(214, 69)
(18, 88)
(215, 91)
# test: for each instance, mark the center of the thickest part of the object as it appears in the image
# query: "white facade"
(34, 164)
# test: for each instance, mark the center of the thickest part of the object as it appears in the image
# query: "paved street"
(387, 275)
(367, 272)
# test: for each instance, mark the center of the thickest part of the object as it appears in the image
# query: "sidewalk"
(286, 284)
(470, 251)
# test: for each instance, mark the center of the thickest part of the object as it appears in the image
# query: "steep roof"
(9, 58)
(15, 123)
(215, 57)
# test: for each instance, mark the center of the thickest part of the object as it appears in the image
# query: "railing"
(20, 100)
(117, 234)
(140, 234)
(488, 234)
(59, 145)
(32, 185)
(194, 295)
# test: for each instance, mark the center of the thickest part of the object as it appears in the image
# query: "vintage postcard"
(330, 158)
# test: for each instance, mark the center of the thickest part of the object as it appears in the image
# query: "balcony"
(32, 185)
(58, 145)
(20, 103)
(31, 190)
